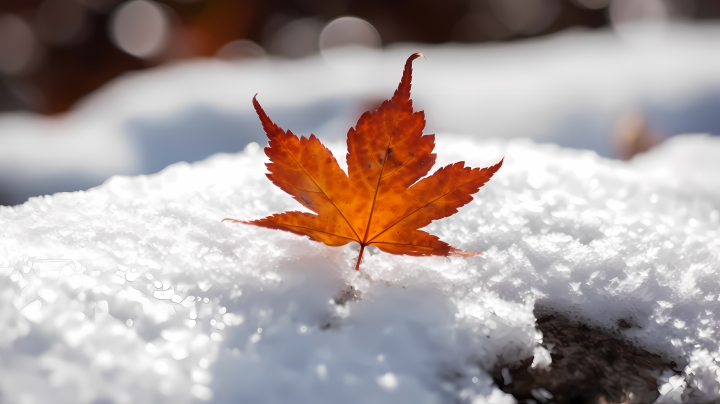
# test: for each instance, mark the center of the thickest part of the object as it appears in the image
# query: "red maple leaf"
(379, 201)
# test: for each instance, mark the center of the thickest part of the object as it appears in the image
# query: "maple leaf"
(379, 201)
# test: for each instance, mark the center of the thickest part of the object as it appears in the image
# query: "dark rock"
(589, 365)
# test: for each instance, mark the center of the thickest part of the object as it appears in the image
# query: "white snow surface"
(136, 292)
(569, 89)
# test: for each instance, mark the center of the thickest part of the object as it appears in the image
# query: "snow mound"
(136, 292)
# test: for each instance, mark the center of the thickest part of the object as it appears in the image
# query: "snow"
(569, 83)
(135, 291)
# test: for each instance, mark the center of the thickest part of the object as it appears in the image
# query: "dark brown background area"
(65, 73)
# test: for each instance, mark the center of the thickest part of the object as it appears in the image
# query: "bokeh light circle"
(240, 50)
(140, 28)
(17, 44)
(640, 22)
(349, 31)
(350, 43)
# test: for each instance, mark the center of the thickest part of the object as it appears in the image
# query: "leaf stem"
(362, 248)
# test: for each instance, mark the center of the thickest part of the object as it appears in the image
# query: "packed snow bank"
(569, 89)
(135, 292)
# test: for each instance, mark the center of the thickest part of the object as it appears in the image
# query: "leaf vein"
(323, 191)
(421, 207)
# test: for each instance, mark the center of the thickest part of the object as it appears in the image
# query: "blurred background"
(52, 52)
(55, 53)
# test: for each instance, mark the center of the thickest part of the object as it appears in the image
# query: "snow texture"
(575, 82)
(136, 292)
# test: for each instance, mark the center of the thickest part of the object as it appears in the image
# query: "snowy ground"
(569, 89)
(135, 292)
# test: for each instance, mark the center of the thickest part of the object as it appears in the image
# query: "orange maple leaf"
(380, 201)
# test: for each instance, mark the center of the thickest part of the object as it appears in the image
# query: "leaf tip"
(259, 110)
(497, 166)
(403, 90)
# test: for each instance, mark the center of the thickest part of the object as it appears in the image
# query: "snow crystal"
(136, 292)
